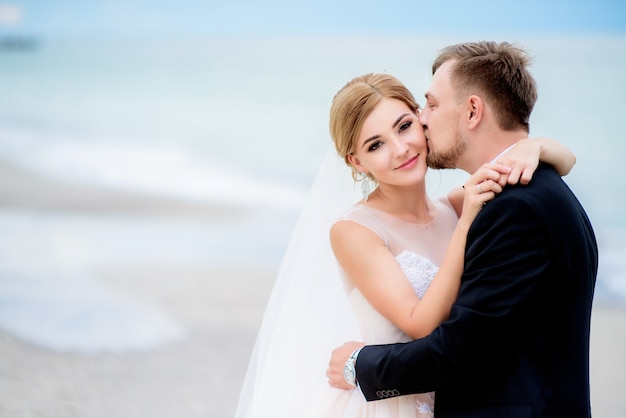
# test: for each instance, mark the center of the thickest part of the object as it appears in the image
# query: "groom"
(516, 343)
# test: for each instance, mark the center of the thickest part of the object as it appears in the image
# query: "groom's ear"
(475, 109)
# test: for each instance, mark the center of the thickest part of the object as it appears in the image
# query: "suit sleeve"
(506, 256)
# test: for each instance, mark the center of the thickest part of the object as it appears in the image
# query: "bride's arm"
(524, 158)
(372, 268)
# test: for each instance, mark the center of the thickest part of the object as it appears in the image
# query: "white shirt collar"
(502, 153)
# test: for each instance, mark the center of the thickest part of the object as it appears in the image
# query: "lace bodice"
(419, 271)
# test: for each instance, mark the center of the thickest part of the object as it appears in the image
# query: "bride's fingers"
(521, 171)
(526, 176)
(481, 198)
(491, 186)
(491, 171)
(485, 187)
(479, 194)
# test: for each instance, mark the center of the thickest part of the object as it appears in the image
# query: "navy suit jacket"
(517, 340)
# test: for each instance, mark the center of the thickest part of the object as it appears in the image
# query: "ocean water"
(240, 123)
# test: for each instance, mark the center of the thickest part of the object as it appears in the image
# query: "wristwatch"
(349, 373)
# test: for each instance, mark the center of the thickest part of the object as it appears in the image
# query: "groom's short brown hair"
(499, 73)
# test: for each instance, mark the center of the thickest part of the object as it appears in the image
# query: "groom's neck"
(486, 149)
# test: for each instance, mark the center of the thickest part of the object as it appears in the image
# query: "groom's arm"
(506, 258)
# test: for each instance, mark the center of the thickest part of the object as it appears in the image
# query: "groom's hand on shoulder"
(338, 358)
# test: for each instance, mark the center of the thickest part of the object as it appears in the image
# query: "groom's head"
(480, 91)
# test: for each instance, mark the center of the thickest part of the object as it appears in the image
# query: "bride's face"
(391, 145)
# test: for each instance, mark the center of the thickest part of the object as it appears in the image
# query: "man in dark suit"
(516, 343)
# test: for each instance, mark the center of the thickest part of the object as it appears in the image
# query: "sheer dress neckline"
(395, 218)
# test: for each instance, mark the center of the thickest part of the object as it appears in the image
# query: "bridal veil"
(308, 313)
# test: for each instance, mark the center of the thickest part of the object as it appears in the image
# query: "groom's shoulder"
(546, 194)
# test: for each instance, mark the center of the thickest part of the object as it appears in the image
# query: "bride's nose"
(401, 147)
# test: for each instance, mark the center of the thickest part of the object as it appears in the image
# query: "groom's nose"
(422, 117)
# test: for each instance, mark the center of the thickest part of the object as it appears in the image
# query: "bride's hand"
(524, 157)
(481, 187)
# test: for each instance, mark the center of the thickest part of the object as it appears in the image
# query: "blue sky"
(144, 18)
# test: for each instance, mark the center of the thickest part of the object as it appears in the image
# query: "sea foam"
(162, 170)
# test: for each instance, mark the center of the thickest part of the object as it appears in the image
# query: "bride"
(393, 270)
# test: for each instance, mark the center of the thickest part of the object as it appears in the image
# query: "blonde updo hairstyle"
(353, 104)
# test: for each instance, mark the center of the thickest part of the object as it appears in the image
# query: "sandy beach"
(199, 376)
(220, 307)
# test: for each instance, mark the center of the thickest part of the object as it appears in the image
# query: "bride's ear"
(355, 162)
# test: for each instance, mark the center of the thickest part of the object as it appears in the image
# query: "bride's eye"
(405, 126)
(374, 146)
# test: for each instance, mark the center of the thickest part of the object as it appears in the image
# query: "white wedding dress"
(314, 308)
(418, 248)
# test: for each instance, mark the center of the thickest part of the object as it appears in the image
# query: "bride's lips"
(408, 163)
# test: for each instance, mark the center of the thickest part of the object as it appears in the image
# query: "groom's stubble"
(446, 158)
